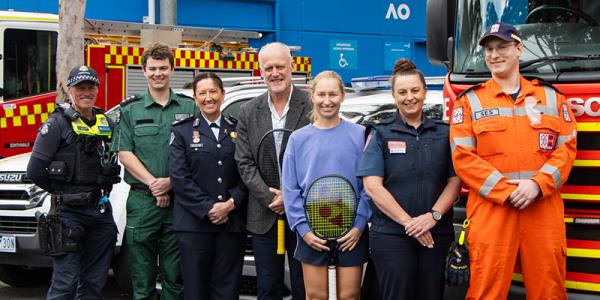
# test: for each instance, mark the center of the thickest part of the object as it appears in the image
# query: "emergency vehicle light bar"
(383, 82)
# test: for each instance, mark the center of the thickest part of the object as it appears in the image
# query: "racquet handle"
(280, 235)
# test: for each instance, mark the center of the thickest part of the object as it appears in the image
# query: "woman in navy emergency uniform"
(407, 171)
(210, 198)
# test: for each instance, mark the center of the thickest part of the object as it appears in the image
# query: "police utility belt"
(79, 199)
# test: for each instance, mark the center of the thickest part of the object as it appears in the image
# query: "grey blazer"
(254, 121)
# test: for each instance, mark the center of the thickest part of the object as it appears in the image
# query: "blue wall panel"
(311, 24)
(229, 14)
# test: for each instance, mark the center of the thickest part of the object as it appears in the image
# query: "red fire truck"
(561, 41)
(28, 56)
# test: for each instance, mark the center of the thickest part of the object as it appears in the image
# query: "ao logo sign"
(401, 12)
(589, 107)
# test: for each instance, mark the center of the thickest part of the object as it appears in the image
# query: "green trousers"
(151, 241)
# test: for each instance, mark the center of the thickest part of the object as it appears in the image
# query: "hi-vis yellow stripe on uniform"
(26, 115)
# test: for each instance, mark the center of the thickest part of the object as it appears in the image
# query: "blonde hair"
(315, 81)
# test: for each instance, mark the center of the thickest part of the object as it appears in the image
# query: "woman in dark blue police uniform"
(407, 171)
(210, 198)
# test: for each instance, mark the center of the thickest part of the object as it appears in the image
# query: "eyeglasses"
(501, 49)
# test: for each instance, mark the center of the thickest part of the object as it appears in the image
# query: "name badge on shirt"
(397, 147)
(179, 117)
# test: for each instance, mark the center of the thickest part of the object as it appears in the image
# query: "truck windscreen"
(558, 36)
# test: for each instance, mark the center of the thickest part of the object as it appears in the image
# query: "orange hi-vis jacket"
(495, 139)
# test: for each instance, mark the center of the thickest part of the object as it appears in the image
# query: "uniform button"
(219, 146)
(219, 180)
(220, 163)
(219, 197)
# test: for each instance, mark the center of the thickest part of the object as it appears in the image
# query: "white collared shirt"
(279, 121)
(214, 130)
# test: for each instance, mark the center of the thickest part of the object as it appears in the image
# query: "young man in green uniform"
(142, 139)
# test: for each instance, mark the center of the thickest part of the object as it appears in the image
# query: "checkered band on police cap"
(81, 74)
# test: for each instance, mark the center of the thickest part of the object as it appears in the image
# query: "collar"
(149, 101)
(218, 121)
(526, 87)
(401, 125)
(287, 104)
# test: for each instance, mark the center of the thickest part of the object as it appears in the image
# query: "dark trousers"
(270, 265)
(82, 274)
(211, 264)
(406, 270)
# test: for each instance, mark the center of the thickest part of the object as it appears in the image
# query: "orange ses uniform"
(494, 139)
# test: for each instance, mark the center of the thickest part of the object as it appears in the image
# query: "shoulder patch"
(45, 128)
(548, 84)
(458, 115)
(130, 99)
(178, 122)
(471, 88)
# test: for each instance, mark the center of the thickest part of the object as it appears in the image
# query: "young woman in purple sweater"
(330, 145)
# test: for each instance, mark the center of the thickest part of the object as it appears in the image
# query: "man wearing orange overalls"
(513, 143)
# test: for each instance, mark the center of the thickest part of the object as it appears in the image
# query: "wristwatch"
(436, 215)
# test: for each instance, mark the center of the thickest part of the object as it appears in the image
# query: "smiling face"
(502, 57)
(327, 95)
(209, 97)
(158, 73)
(409, 94)
(276, 68)
(83, 96)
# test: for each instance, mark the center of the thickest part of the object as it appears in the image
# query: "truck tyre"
(121, 269)
(18, 276)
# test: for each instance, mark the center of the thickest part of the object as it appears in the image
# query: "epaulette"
(469, 89)
(231, 120)
(67, 111)
(178, 122)
(184, 96)
(548, 84)
(130, 99)
(97, 110)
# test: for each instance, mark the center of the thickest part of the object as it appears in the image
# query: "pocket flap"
(548, 122)
(489, 124)
(146, 129)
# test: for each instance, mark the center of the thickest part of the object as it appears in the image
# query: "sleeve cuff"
(360, 222)
(302, 228)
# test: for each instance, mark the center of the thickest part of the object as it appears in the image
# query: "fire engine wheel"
(121, 269)
(19, 276)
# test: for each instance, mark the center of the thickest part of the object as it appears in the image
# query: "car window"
(233, 109)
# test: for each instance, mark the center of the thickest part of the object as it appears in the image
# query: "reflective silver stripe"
(490, 183)
(463, 141)
(520, 111)
(474, 102)
(564, 138)
(520, 175)
(552, 109)
(552, 170)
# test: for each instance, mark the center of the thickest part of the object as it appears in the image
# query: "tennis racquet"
(269, 167)
(330, 206)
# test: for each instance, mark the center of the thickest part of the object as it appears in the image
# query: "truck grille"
(18, 225)
(14, 195)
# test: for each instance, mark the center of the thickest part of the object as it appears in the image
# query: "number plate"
(8, 244)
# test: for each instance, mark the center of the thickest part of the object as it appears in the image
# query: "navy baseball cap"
(81, 74)
(501, 30)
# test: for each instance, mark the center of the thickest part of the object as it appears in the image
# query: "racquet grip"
(280, 235)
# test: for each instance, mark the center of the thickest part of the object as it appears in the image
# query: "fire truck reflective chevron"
(25, 114)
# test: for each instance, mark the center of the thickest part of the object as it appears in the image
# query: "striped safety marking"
(588, 126)
(119, 55)
(570, 284)
(26, 115)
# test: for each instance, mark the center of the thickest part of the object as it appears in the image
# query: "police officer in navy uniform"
(210, 198)
(72, 160)
(408, 173)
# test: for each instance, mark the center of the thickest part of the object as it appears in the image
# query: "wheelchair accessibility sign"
(343, 54)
